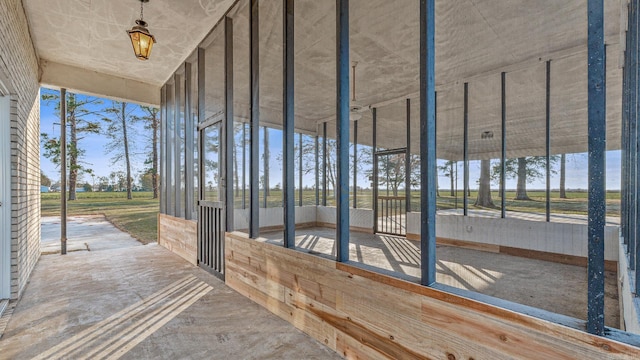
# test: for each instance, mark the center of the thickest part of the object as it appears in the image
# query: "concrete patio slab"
(84, 233)
(142, 302)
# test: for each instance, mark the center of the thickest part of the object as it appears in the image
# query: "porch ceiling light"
(141, 38)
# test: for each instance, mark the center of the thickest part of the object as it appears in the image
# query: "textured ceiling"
(476, 40)
(91, 34)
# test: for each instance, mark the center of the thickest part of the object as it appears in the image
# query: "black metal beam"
(407, 167)
(189, 144)
(597, 148)
(634, 247)
(548, 140)
(289, 138)
(228, 124)
(355, 164)
(201, 117)
(633, 141)
(317, 169)
(63, 171)
(265, 164)
(465, 145)
(254, 132)
(633, 122)
(176, 136)
(300, 170)
(342, 130)
(624, 183)
(170, 150)
(324, 164)
(163, 130)
(243, 201)
(427, 143)
(374, 114)
(503, 145)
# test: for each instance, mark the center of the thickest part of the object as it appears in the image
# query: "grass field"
(575, 203)
(138, 217)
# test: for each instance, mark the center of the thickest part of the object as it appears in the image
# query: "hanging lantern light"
(141, 38)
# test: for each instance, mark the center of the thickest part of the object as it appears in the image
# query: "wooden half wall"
(365, 315)
(179, 236)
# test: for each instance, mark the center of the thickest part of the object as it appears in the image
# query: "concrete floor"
(551, 286)
(142, 302)
(554, 217)
(81, 234)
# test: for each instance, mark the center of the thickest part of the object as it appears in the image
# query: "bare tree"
(447, 170)
(81, 110)
(119, 146)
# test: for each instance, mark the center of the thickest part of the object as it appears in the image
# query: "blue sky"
(94, 144)
(100, 162)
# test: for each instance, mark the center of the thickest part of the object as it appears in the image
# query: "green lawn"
(575, 203)
(138, 217)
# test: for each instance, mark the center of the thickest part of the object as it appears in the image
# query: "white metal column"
(5, 199)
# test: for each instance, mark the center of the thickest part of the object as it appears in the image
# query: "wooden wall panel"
(180, 236)
(365, 315)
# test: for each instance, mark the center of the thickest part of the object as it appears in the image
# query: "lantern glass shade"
(142, 41)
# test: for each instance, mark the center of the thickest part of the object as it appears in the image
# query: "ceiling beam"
(83, 81)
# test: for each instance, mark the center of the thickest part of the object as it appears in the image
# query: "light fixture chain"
(141, 15)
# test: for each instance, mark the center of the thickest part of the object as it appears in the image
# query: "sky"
(96, 158)
(94, 144)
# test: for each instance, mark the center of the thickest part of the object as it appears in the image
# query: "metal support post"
(227, 159)
(189, 144)
(300, 170)
(503, 145)
(407, 165)
(317, 169)
(254, 129)
(63, 171)
(324, 164)
(289, 138)
(465, 198)
(548, 141)
(355, 164)
(201, 116)
(176, 144)
(427, 143)
(375, 169)
(342, 130)
(597, 147)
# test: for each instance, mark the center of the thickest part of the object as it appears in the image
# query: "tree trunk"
(521, 190)
(563, 176)
(154, 174)
(484, 191)
(331, 177)
(452, 193)
(73, 150)
(126, 150)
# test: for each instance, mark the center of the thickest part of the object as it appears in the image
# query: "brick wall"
(19, 69)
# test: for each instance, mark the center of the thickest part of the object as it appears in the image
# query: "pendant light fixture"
(141, 38)
(355, 109)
